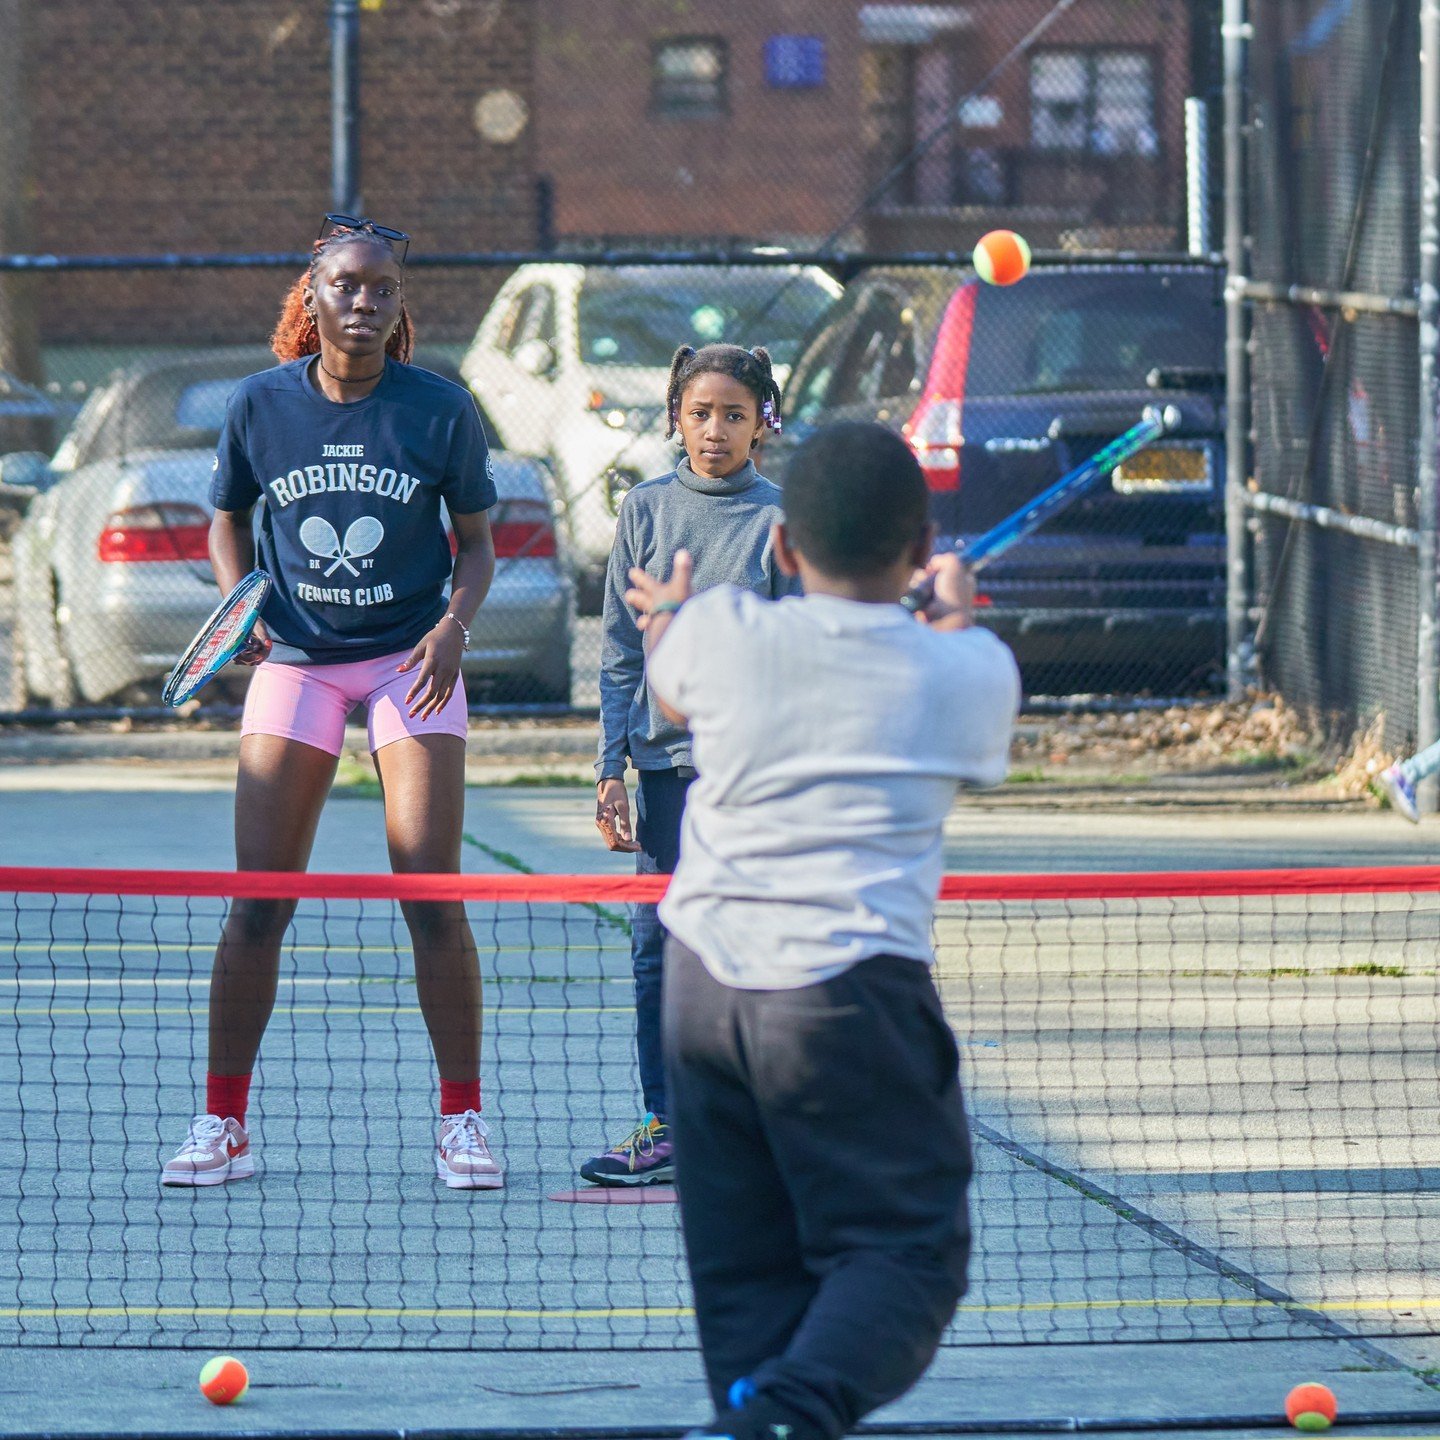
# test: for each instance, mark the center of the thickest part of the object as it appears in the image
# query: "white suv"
(571, 362)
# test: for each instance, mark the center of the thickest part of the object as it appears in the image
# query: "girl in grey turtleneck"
(721, 399)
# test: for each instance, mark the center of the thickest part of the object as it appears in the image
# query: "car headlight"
(617, 480)
(638, 419)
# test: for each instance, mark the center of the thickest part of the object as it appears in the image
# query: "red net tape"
(581, 889)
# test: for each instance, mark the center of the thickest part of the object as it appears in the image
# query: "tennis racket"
(222, 637)
(1061, 495)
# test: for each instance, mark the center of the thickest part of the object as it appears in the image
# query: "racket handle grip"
(916, 599)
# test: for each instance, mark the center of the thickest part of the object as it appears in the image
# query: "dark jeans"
(822, 1163)
(659, 806)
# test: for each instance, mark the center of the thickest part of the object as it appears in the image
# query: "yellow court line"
(141, 1010)
(359, 1312)
(329, 1312)
(1217, 1302)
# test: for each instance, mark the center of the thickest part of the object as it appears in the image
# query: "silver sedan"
(112, 576)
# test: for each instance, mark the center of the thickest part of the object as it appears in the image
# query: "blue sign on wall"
(795, 62)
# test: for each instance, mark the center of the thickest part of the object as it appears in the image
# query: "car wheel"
(533, 690)
(53, 663)
(587, 575)
(17, 691)
(590, 590)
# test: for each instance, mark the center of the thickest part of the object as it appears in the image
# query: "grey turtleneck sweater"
(725, 525)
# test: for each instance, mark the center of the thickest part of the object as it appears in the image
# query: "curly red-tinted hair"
(295, 331)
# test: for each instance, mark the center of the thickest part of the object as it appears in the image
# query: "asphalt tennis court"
(1204, 1122)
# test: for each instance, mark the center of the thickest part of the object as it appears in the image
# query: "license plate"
(1164, 470)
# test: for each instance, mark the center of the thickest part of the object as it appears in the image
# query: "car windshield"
(1077, 332)
(638, 317)
(202, 406)
(171, 407)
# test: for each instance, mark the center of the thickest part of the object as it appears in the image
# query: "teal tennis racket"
(222, 637)
(1154, 423)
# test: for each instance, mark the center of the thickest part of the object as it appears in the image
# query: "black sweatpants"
(822, 1162)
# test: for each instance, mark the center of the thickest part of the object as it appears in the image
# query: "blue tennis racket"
(222, 637)
(1063, 493)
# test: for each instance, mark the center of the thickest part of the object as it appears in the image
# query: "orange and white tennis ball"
(1311, 1407)
(1002, 257)
(224, 1380)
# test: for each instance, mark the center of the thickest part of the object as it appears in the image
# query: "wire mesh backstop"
(593, 132)
(1332, 196)
(567, 356)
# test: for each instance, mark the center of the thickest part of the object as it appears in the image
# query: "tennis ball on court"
(1310, 1407)
(224, 1380)
(1002, 257)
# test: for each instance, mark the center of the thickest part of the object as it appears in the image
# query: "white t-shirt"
(829, 736)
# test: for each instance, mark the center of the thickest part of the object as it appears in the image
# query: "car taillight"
(164, 530)
(936, 438)
(934, 429)
(522, 530)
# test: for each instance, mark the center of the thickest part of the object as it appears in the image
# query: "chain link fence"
(1333, 194)
(589, 185)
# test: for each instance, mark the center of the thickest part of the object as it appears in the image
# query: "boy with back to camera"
(820, 1136)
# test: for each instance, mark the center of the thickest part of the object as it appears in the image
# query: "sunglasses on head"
(398, 240)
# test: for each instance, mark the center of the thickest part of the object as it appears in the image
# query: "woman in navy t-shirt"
(358, 456)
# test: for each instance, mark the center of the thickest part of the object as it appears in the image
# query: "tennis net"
(1204, 1106)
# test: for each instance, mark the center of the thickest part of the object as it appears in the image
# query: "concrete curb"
(21, 747)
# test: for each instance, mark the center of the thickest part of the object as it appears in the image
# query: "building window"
(687, 78)
(1099, 102)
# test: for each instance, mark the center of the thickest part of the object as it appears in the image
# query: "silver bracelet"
(464, 631)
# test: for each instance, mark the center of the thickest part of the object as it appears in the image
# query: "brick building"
(798, 120)
(1078, 141)
(204, 126)
(698, 121)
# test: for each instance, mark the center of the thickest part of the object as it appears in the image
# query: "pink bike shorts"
(310, 703)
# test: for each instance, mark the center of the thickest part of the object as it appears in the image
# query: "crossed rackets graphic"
(362, 536)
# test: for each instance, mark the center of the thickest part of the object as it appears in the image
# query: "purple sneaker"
(643, 1157)
(1397, 789)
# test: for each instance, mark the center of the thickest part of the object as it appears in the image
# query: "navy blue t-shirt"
(351, 531)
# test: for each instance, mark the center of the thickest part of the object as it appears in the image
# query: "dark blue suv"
(999, 392)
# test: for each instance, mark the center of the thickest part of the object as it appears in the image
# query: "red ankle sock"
(227, 1095)
(458, 1096)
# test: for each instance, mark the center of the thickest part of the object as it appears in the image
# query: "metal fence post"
(19, 328)
(1235, 32)
(1197, 177)
(345, 106)
(1427, 701)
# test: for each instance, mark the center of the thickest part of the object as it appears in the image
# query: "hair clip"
(771, 416)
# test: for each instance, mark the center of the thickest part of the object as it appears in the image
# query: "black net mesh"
(1197, 1115)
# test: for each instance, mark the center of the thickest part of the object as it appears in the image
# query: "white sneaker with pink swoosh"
(462, 1158)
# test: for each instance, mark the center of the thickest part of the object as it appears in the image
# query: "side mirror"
(24, 474)
(536, 357)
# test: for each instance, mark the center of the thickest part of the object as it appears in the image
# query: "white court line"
(56, 983)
